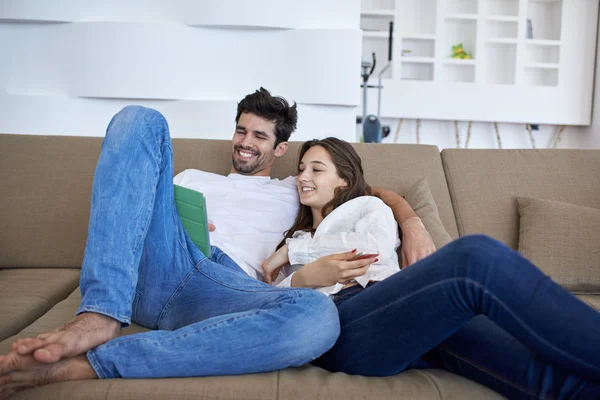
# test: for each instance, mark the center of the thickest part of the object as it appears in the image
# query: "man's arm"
(416, 241)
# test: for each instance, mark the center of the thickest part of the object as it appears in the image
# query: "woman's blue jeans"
(480, 310)
(208, 316)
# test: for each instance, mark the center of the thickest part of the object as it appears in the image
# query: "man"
(208, 316)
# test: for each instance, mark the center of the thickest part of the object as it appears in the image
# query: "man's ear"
(281, 149)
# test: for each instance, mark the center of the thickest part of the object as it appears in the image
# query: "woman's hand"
(329, 270)
(272, 265)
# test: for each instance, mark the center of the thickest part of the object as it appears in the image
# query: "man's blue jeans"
(208, 316)
(480, 310)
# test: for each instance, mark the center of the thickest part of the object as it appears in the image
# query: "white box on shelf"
(417, 71)
(546, 18)
(423, 17)
(542, 53)
(502, 29)
(455, 72)
(541, 77)
(500, 63)
(509, 8)
(461, 6)
(418, 48)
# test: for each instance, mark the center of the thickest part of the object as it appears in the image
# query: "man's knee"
(137, 122)
(323, 327)
(136, 113)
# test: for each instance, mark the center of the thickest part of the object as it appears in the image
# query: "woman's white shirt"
(365, 224)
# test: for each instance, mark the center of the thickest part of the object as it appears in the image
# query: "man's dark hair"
(272, 108)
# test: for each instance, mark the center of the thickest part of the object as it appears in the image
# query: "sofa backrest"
(483, 185)
(47, 180)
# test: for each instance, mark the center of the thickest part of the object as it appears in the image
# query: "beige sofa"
(46, 183)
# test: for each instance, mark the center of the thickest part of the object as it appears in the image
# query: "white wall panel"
(306, 14)
(68, 66)
(210, 119)
(171, 61)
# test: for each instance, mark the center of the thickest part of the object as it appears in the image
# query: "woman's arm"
(375, 232)
(416, 241)
(328, 270)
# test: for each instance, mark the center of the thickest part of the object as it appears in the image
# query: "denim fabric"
(208, 317)
(477, 309)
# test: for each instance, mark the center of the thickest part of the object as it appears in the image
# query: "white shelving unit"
(532, 60)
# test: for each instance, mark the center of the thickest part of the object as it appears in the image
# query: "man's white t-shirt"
(251, 213)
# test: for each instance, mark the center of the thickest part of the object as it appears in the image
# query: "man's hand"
(211, 227)
(272, 265)
(416, 241)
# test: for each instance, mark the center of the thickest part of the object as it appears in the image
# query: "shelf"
(502, 41)
(422, 36)
(417, 60)
(542, 66)
(542, 42)
(378, 13)
(503, 18)
(375, 34)
(458, 61)
(468, 17)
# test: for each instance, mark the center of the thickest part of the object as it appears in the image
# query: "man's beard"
(247, 168)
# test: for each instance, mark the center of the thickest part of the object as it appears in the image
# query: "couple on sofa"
(473, 307)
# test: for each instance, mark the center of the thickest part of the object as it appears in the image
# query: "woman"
(475, 307)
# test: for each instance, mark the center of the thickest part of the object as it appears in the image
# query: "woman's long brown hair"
(349, 168)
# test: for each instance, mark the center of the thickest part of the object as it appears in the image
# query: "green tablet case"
(191, 206)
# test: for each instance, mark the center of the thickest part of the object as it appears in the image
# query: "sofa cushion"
(45, 200)
(393, 166)
(420, 199)
(563, 240)
(26, 294)
(314, 383)
(47, 182)
(307, 382)
(483, 185)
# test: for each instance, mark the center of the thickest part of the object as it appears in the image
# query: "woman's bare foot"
(84, 332)
(35, 374)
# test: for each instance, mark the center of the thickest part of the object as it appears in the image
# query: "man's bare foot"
(84, 332)
(31, 373)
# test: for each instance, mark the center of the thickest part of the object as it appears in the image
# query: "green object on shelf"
(191, 207)
(459, 52)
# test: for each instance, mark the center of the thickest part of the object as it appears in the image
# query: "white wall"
(589, 137)
(68, 66)
(483, 135)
